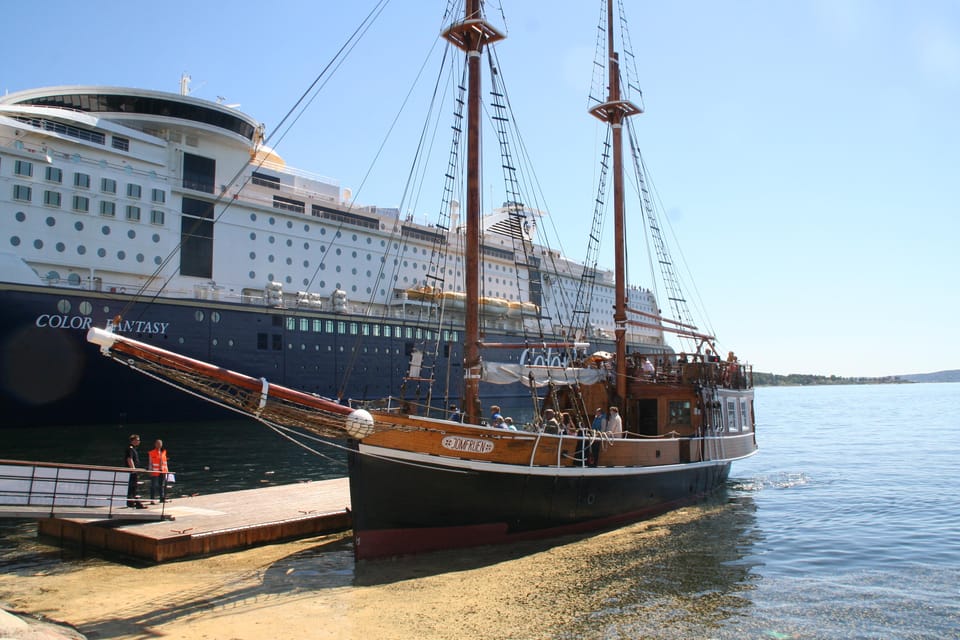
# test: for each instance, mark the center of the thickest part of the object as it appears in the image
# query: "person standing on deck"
(614, 423)
(157, 464)
(132, 461)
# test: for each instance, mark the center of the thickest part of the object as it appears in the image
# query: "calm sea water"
(846, 524)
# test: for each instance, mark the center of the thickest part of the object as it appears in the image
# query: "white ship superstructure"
(126, 192)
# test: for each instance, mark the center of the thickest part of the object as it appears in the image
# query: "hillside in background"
(794, 379)
(952, 375)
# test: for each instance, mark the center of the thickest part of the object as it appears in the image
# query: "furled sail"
(505, 373)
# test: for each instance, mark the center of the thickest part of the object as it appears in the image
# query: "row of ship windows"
(345, 328)
(81, 204)
(342, 327)
(24, 169)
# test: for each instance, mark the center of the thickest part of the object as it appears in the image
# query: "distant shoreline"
(803, 379)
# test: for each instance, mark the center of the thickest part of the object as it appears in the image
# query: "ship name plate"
(469, 445)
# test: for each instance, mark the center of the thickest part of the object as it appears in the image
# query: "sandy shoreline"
(312, 588)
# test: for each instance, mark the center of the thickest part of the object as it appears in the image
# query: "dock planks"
(213, 523)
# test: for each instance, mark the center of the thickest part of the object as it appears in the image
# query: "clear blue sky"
(806, 152)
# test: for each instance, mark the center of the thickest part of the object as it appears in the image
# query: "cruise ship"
(167, 219)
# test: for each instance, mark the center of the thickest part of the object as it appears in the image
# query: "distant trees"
(803, 379)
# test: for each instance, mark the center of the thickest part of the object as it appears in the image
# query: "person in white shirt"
(614, 423)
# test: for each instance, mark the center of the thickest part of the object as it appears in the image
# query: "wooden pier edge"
(216, 523)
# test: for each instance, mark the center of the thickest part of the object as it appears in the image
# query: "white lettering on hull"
(543, 358)
(468, 445)
(83, 323)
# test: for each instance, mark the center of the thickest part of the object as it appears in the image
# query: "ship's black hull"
(409, 506)
(50, 374)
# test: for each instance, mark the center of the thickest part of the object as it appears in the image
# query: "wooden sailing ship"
(421, 483)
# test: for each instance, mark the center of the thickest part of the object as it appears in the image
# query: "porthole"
(64, 306)
(61, 247)
(198, 315)
(85, 308)
(21, 216)
(155, 237)
(253, 255)
(38, 244)
(51, 221)
(105, 230)
(253, 275)
(253, 235)
(131, 234)
(78, 225)
(15, 241)
(82, 250)
(121, 255)
(102, 252)
(214, 316)
(141, 257)
(74, 279)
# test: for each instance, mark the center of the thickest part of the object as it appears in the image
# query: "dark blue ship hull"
(50, 375)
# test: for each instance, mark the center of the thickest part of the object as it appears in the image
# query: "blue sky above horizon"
(806, 153)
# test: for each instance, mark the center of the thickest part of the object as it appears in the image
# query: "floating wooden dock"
(214, 523)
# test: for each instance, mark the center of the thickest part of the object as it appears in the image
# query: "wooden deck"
(212, 523)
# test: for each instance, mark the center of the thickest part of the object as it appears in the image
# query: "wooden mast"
(614, 111)
(470, 36)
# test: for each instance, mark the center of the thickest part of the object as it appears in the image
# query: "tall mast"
(470, 36)
(614, 111)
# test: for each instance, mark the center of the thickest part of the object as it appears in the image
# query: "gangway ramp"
(38, 490)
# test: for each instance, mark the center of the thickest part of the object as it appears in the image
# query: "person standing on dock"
(157, 464)
(132, 461)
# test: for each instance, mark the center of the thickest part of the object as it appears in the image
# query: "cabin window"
(386, 331)
(261, 341)
(134, 191)
(22, 193)
(54, 174)
(108, 209)
(133, 213)
(81, 180)
(121, 144)
(304, 324)
(51, 198)
(108, 185)
(159, 196)
(329, 326)
(23, 168)
(679, 413)
(156, 216)
(732, 415)
(341, 327)
(81, 203)
(744, 416)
